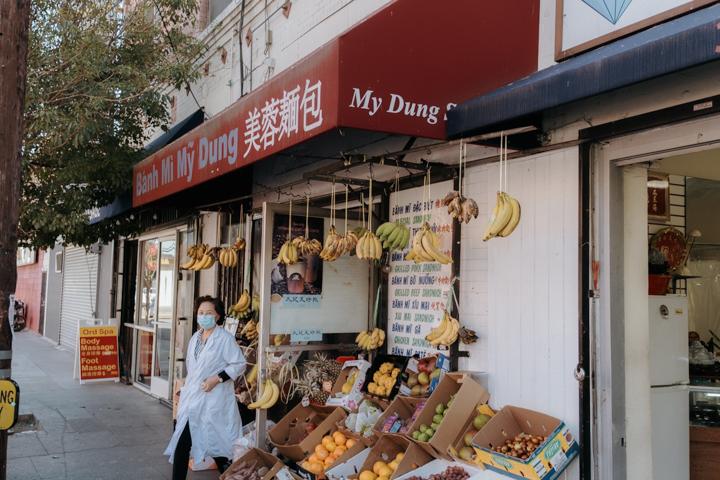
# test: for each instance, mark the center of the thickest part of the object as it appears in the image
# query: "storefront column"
(637, 325)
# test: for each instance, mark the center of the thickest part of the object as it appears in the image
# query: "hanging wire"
(370, 206)
(290, 222)
(346, 208)
(362, 204)
(307, 217)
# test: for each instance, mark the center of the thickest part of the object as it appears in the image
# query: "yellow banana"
(514, 217)
(267, 392)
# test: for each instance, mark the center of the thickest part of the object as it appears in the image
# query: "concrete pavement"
(86, 432)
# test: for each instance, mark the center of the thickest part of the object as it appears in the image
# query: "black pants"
(182, 456)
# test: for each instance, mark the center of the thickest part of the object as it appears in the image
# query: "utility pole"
(14, 20)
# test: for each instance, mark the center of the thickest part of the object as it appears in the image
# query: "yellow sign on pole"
(9, 402)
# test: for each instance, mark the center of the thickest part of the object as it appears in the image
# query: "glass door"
(147, 312)
(162, 354)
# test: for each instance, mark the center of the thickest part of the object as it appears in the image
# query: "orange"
(329, 461)
(339, 450)
(379, 466)
(339, 438)
(350, 443)
(315, 468)
(321, 452)
(313, 458)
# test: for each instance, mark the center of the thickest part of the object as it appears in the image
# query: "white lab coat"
(214, 417)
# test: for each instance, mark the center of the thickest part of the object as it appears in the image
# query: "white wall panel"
(521, 293)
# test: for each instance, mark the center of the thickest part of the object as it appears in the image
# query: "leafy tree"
(98, 73)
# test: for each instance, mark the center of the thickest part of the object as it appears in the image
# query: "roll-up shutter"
(79, 292)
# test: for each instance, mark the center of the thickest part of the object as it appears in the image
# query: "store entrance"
(158, 289)
(657, 194)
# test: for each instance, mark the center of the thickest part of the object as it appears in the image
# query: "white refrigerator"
(669, 379)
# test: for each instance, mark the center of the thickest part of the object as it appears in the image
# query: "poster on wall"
(585, 24)
(418, 293)
(299, 284)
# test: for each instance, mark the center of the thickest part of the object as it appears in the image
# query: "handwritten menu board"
(417, 292)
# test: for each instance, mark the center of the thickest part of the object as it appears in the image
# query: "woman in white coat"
(208, 419)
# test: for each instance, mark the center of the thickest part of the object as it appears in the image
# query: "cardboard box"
(468, 393)
(358, 447)
(454, 449)
(439, 466)
(404, 407)
(438, 361)
(348, 468)
(387, 448)
(276, 468)
(546, 462)
(352, 399)
(290, 435)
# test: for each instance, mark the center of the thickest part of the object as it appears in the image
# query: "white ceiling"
(705, 164)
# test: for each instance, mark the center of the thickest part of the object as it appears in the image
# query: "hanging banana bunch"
(268, 398)
(335, 244)
(228, 257)
(506, 214)
(426, 247)
(240, 242)
(369, 246)
(200, 258)
(446, 333)
(289, 253)
(305, 245)
(461, 208)
(241, 308)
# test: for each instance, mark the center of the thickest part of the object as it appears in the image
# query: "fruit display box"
(546, 462)
(392, 448)
(402, 407)
(338, 446)
(347, 389)
(438, 466)
(258, 459)
(422, 375)
(350, 467)
(302, 428)
(445, 412)
(388, 391)
(461, 450)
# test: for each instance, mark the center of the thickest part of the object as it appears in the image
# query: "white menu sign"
(417, 293)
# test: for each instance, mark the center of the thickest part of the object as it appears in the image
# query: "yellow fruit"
(329, 461)
(313, 458)
(378, 466)
(385, 471)
(399, 457)
(393, 465)
(329, 444)
(346, 388)
(306, 465)
(339, 438)
(367, 475)
(380, 391)
(321, 452)
(315, 468)
(339, 450)
(371, 388)
(389, 383)
(350, 443)
(395, 372)
(383, 477)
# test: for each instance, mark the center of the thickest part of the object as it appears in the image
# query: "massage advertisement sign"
(98, 353)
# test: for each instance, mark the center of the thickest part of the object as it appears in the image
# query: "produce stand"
(385, 416)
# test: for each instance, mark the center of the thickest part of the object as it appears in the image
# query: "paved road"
(87, 432)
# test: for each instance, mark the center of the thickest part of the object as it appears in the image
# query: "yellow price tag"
(9, 403)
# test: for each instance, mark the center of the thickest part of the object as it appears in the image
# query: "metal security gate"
(79, 292)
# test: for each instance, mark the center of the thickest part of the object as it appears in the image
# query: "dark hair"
(217, 303)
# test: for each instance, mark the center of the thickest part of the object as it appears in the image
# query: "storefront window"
(148, 282)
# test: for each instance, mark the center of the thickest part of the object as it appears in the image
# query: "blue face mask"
(206, 321)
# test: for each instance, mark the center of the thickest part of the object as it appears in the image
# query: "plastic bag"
(699, 355)
(363, 421)
(245, 443)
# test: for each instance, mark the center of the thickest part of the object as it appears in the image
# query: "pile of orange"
(327, 452)
(382, 470)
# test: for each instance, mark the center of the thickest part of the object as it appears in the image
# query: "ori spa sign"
(585, 24)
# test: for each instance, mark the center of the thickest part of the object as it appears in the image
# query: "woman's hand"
(210, 383)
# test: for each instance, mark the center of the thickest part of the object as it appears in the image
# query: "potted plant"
(658, 268)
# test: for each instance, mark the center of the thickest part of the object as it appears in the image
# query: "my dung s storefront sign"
(397, 72)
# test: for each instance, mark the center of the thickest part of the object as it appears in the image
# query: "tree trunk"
(14, 20)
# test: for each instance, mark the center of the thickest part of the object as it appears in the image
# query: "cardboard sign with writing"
(98, 352)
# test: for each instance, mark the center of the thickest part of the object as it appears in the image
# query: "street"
(97, 431)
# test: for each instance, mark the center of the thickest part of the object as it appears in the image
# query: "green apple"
(424, 437)
(480, 421)
(440, 409)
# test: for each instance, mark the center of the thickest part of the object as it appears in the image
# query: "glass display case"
(705, 405)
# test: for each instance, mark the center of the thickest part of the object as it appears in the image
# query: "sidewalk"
(86, 432)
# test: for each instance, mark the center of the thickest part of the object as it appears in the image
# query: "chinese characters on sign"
(658, 186)
(286, 118)
(98, 353)
(418, 292)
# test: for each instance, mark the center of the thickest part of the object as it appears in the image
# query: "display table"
(704, 453)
